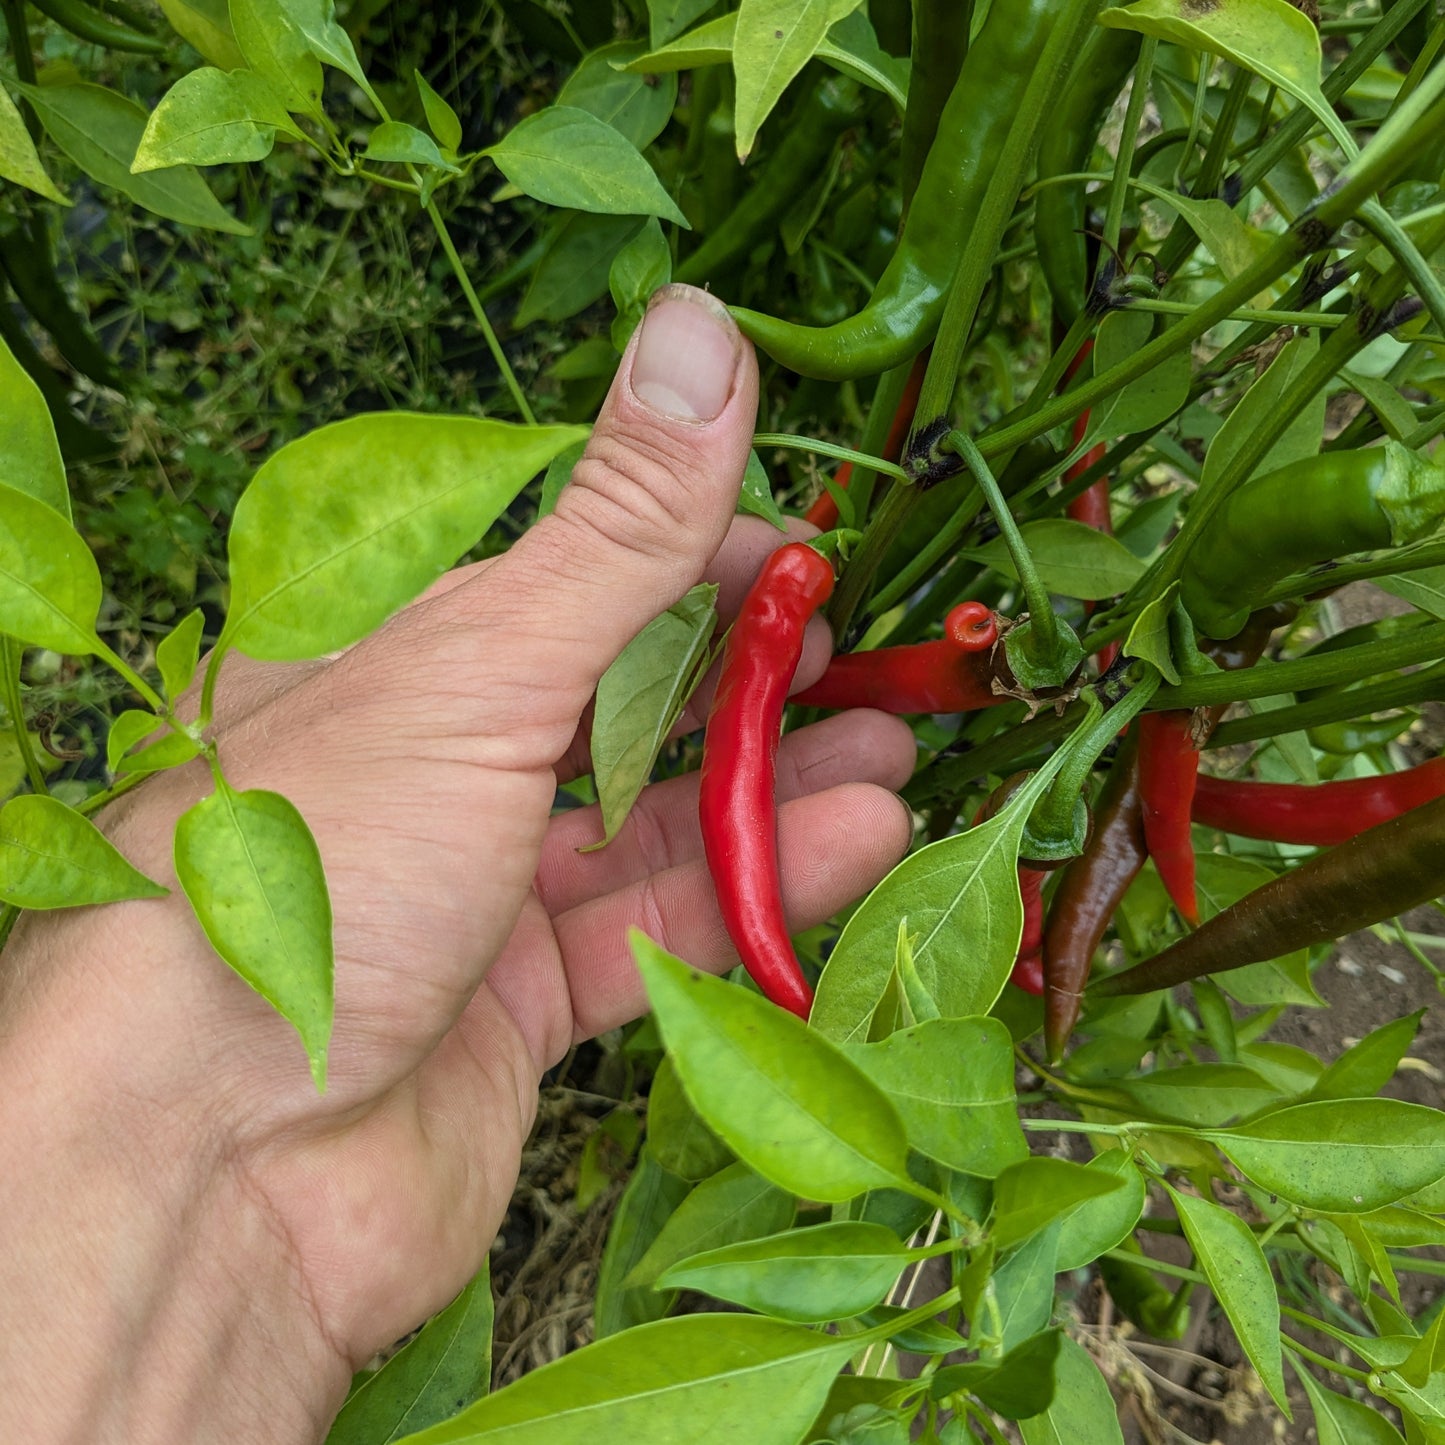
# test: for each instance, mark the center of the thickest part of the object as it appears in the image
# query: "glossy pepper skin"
(800, 157)
(952, 674)
(1089, 892)
(1311, 511)
(1317, 815)
(902, 315)
(1384, 871)
(823, 514)
(736, 804)
(1065, 147)
(1168, 773)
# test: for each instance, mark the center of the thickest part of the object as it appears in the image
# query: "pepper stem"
(1052, 831)
(1043, 651)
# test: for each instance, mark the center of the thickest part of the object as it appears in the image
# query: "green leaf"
(1149, 638)
(961, 898)
(709, 44)
(394, 140)
(1014, 1386)
(784, 1099)
(829, 1272)
(667, 18)
(100, 129)
(574, 268)
(1424, 589)
(178, 652)
(271, 35)
(1234, 244)
(1023, 1286)
(952, 1080)
(1269, 37)
(1073, 559)
(729, 1207)
(621, 98)
(680, 1141)
(206, 25)
(637, 270)
(851, 46)
(1340, 1420)
(448, 1365)
(1030, 1195)
(252, 871)
(1227, 1252)
(697, 1380)
(443, 120)
(757, 497)
(210, 117)
(52, 857)
(30, 460)
(1259, 402)
(1082, 1411)
(1154, 398)
(1202, 1094)
(773, 41)
(19, 160)
(50, 587)
(642, 695)
(557, 475)
(1344, 1156)
(1396, 414)
(345, 525)
(1364, 1069)
(567, 157)
(169, 750)
(651, 1196)
(1092, 1226)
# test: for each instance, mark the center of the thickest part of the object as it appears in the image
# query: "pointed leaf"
(961, 899)
(705, 1377)
(679, 1139)
(667, 18)
(785, 1100)
(178, 652)
(952, 1080)
(52, 857)
(625, 100)
(100, 129)
(733, 1205)
(394, 140)
(206, 26)
(1023, 1286)
(567, 157)
(1029, 1196)
(210, 117)
(345, 525)
(575, 266)
(252, 871)
(443, 120)
(1364, 1069)
(1018, 1385)
(1340, 1420)
(709, 44)
(448, 1365)
(19, 160)
(29, 454)
(757, 494)
(1226, 1250)
(1095, 1225)
(1345, 1156)
(829, 1272)
(50, 587)
(651, 1196)
(1082, 1411)
(271, 39)
(642, 695)
(1073, 559)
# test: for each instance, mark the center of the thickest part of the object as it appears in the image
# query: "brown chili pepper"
(1091, 888)
(1378, 874)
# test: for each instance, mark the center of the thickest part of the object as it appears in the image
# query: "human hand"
(209, 1249)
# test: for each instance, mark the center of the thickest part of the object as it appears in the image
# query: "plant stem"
(788, 441)
(1159, 1266)
(1348, 1371)
(1326, 319)
(493, 345)
(1128, 138)
(153, 699)
(10, 651)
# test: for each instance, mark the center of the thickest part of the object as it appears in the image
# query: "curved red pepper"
(823, 514)
(1028, 969)
(1318, 815)
(953, 674)
(736, 804)
(1168, 772)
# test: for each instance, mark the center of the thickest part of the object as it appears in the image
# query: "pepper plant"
(1125, 324)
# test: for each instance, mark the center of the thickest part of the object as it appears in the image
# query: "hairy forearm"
(144, 1293)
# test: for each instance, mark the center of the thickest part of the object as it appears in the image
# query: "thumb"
(647, 507)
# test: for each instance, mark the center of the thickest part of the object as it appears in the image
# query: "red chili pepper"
(1318, 815)
(736, 803)
(1028, 973)
(1028, 969)
(823, 514)
(1168, 771)
(953, 674)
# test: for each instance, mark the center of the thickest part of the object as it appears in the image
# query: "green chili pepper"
(939, 45)
(1377, 874)
(793, 166)
(1138, 1295)
(1311, 511)
(81, 20)
(903, 313)
(1066, 145)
